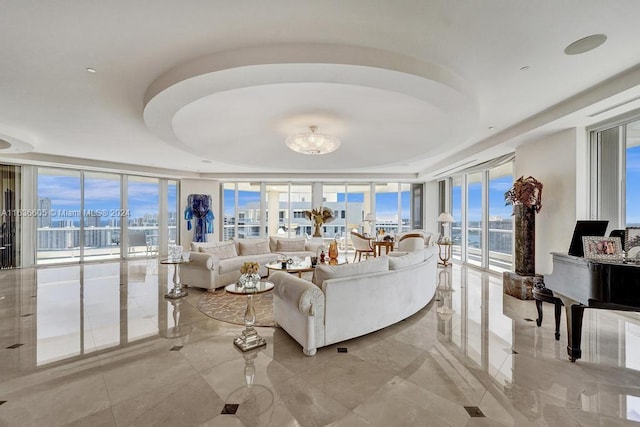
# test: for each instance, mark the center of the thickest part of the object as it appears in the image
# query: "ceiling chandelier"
(312, 142)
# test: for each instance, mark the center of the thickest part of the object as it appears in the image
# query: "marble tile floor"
(98, 345)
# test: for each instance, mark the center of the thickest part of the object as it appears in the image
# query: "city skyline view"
(101, 198)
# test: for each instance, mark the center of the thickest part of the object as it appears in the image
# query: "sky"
(497, 207)
(633, 186)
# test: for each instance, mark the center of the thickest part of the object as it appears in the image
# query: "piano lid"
(585, 228)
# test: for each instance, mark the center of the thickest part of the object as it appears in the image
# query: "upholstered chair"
(411, 242)
(362, 245)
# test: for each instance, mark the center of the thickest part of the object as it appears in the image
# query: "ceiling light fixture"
(312, 142)
(91, 70)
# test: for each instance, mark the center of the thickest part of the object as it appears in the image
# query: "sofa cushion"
(290, 245)
(222, 250)
(253, 246)
(275, 240)
(407, 260)
(195, 246)
(373, 265)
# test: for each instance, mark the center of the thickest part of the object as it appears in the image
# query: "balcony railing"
(500, 256)
(60, 244)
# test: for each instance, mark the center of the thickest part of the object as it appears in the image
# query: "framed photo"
(602, 248)
(632, 243)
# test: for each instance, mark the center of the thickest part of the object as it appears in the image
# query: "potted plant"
(526, 197)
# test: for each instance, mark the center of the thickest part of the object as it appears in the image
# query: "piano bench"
(542, 294)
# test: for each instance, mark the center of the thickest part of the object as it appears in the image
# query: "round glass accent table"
(249, 339)
(177, 291)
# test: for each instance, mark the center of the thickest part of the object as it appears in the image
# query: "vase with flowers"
(249, 277)
(526, 197)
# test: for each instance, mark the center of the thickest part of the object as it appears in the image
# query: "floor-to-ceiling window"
(500, 233)
(615, 174)
(334, 198)
(404, 207)
(102, 215)
(59, 234)
(248, 216)
(89, 216)
(632, 162)
(229, 199)
(299, 202)
(172, 212)
(456, 213)
(393, 207)
(358, 199)
(285, 204)
(142, 215)
(474, 218)
(482, 227)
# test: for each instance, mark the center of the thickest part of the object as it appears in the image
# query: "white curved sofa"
(353, 299)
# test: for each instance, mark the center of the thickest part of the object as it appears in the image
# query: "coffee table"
(249, 338)
(303, 267)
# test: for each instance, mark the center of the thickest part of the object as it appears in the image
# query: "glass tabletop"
(236, 288)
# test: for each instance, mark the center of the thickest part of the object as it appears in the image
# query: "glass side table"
(249, 338)
(177, 291)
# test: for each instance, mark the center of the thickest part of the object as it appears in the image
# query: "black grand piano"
(583, 283)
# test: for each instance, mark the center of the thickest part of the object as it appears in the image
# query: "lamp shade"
(370, 217)
(445, 217)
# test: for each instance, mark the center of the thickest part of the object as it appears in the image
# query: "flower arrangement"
(249, 277)
(526, 191)
(319, 217)
(249, 268)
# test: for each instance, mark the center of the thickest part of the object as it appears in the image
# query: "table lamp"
(370, 218)
(445, 218)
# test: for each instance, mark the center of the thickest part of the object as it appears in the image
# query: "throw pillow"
(273, 243)
(254, 247)
(222, 250)
(400, 262)
(373, 265)
(290, 245)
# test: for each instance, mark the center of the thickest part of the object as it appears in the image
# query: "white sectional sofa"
(351, 300)
(217, 264)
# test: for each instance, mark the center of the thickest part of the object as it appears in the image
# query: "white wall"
(431, 197)
(553, 161)
(199, 186)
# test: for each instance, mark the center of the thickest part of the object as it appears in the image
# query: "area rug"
(230, 308)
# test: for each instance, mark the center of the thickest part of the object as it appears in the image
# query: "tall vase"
(525, 237)
(333, 253)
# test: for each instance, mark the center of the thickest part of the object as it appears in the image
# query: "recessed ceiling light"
(525, 68)
(490, 128)
(585, 44)
(91, 70)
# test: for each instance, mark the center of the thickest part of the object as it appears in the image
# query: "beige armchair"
(411, 242)
(362, 245)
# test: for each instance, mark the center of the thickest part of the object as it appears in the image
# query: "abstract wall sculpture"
(199, 211)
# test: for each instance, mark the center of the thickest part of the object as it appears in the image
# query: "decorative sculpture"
(319, 217)
(199, 210)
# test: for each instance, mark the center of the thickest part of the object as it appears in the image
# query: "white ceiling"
(213, 88)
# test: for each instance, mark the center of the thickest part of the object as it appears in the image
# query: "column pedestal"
(518, 286)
